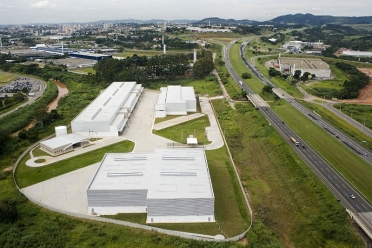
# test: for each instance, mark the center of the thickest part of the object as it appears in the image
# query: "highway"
(338, 186)
(350, 143)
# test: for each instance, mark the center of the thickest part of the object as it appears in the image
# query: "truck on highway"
(294, 141)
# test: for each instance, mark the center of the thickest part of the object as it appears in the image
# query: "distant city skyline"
(56, 11)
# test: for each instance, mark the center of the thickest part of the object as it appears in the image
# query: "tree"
(297, 74)
(246, 75)
(4, 140)
(8, 210)
(267, 88)
(305, 76)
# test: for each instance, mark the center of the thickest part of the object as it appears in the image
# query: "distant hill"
(310, 19)
(218, 21)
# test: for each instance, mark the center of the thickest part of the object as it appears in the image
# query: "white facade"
(171, 185)
(109, 112)
(175, 100)
(357, 53)
(63, 143)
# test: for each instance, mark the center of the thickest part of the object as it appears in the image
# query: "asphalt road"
(335, 183)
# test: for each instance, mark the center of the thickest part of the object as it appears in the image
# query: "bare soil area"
(365, 94)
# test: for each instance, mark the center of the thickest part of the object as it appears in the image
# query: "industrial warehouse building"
(175, 100)
(92, 56)
(63, 142)
(313, 66)
(357, 54)
(170, 185)
(109, 112)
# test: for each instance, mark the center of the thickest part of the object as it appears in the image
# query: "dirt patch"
(8, 168)
(244, 241)
(365, 94)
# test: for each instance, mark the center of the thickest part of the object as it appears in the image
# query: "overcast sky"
(58, 11)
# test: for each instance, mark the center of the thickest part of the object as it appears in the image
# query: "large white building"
(175, 100)
(109, 112)
(313, 66)
(357, 53)
(170, 185)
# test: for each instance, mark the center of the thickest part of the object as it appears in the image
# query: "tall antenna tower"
(1, 43)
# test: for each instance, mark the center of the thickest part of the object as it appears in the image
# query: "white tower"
(194, 55)
(1, 44)
(165, 52)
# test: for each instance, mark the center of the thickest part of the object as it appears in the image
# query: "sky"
(58, 11)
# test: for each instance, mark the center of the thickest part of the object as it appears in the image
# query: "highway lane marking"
(343, 185)
(314, 156)
(337, 185)
(327, 169)
(334, 176)
(364, 206)
(357, 207)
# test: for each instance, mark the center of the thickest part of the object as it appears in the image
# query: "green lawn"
(37, 152)
(180, 132)
(360, 113)
(169, 117)
(27, 176)
(5, 78)
(352, 167)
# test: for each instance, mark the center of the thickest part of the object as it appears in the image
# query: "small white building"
(109, 112)
(170, 185)
(63, 142)
(175, 100)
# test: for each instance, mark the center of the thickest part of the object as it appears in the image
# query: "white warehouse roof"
(108, 113)
(166, 173)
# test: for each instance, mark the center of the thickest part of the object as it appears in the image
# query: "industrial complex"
(170, 185)
(109, 112)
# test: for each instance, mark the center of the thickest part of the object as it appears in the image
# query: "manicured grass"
(37, 152)
(352, 167)
(180, 132)
(41, 160)
(5, 78)
(27, 176)
(292, 207)
(169, 117)
(254, 83)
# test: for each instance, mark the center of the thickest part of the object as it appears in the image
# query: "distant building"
(313, 66)
(109, 112)
(92, 56)
(170, 185)
(175, 100)
(357, 54)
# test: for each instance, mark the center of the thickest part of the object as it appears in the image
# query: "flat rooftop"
(305, 63)
(107, 104)
(165, 173)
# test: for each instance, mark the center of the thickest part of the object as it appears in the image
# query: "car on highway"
(352, 196)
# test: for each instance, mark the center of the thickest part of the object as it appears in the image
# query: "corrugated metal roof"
(166, 173)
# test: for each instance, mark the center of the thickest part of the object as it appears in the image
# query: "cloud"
(41, 5)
